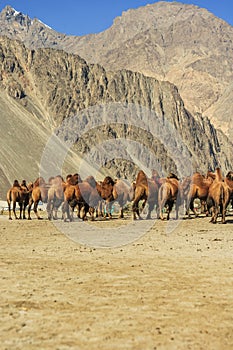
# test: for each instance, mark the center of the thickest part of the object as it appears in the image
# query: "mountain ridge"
(172, 41)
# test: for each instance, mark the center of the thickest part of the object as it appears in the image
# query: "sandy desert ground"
(164, 290)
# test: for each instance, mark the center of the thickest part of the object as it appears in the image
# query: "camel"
(107, 194)
(72, 197)
(144, 189)
(55, 196)
(120, 195)
(196, 187)
(229, 182)
(39, 192)
(122, 190)
(219, 197)
(18, 194)
(77, 195)
(86, 195)
(169, 193)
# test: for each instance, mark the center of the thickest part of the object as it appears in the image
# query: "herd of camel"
(95, 198)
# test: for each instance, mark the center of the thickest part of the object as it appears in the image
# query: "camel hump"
(39, 181)
(108, 181)
(16, 183)
(91, 180)
(73, 179)
(172, 176)
(141, 177)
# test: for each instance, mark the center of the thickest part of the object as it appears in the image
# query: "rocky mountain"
(183, 44)
(60, 113)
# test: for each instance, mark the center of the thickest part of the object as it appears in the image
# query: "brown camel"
(18, 194)
(72, 197)
(218, 197)
(81, 195)
(145, 190)
(198, 188)
(169, 193)
(229, 182)
(39, 192)
(106, 195)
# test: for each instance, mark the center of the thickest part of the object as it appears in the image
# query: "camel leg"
(92, 213)
(161, 212)
(14, 206)
(224, 216)
(108, 209)
(100, 209)
(215, 215)
(177, 210)
(136, 210)
(212, 216)
(49, 209)
(150, 208)
(56, 206)
(35, 210)
(24, 209)
(55, 213)
(143, 205)
(170, 206)
(121, 214)
(157, 211)
(83, 212)
(29, 209)
(161, 206)
(223, 210)
(9, 210)
(20, 210)
(191, 207)
(65, 211)
(78, 210)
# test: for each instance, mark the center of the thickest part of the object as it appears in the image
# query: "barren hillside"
(47, 90)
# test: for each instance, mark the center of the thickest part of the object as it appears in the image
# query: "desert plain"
(165, 289)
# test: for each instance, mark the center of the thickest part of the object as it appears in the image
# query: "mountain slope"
(47, 90)
(183, 44)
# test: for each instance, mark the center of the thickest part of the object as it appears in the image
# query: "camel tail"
(161, 190)
(222, 195)
(8, 197)
(162, 193)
